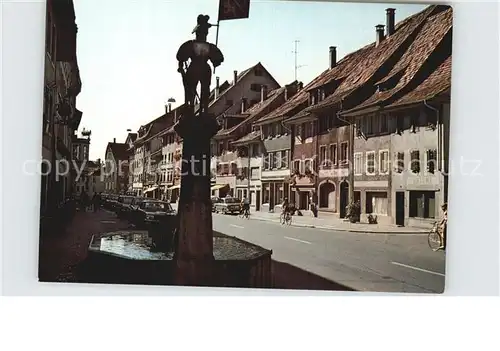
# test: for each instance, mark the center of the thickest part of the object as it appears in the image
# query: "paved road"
(365, 262)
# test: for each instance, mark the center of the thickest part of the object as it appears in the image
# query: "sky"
(126, 51)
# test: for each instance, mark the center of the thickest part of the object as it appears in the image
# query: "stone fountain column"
(194, 258)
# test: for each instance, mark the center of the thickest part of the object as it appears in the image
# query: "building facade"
(236, 108)
(60, 116)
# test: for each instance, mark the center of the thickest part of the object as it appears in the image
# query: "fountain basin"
(129, 257)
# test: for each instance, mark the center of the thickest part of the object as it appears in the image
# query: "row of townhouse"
(374, 126)
(61, 118)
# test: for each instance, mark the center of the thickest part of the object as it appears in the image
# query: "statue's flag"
(233, 9)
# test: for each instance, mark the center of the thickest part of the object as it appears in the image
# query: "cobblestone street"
(60, 253)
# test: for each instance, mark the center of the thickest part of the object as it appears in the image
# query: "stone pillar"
(194, 248)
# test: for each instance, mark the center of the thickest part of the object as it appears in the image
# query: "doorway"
(257, 200)
(400, 208)
(344, 198)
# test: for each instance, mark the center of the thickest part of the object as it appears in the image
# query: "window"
(265, 159)
(370, 162)
(344, 158)
(254, 173)
(384, 121)
(307, 167)
(399, 165)
(383, 162)
(333, 155)
(323, 124)
(376, 203)
(415, 161)
(422, 204)
(431, 160)
(322, 156)
(296, 165)
(368, 125)
(255, 87)
(258, 72)
(358, 163)
(375, 124)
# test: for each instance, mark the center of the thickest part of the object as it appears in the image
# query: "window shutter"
(278, 159)
(266, 161)
(284, 159)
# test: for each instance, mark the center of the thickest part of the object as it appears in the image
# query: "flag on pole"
(233, 9)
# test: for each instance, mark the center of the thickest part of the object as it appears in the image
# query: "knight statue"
(198, 51)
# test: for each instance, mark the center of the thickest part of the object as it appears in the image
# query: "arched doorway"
(344, 198)
(327, 195)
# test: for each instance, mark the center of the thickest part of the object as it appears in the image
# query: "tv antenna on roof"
(295, 52)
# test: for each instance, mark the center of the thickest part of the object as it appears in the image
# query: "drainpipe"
(351, 153)
(440, 149)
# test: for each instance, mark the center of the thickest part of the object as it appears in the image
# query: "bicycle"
(434, 239)
(245, 213)
(286, 218)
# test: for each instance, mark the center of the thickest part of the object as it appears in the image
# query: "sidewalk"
(60, 253)
(328, 222)
(331, 223)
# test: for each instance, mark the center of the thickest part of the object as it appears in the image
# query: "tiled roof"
(292, 104)
(255, 110)
(438, 82)
(432, 33)
(252, 136)
(240, 76)
(367, 61)
(119, 150)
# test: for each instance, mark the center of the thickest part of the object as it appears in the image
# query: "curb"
(339, 229)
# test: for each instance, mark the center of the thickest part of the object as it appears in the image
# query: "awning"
(173, 187)
(218, 186)
(153, 188)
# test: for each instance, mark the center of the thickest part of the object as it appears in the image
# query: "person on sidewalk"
(443, 225)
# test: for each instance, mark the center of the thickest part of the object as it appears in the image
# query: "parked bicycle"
(435, 239)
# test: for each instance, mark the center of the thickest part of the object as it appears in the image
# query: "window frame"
(374, 163)
(380, 152)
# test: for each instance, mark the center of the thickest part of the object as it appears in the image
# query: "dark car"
(122, 205)
(155, 212)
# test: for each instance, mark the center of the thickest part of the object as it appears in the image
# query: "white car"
(227, 205)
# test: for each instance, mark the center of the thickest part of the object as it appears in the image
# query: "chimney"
(390, 21)
(379, 29)
(243, 105)
(235, 77)
(263, 92)
(300, 86)
(217, 87)
(333, 56)
(114, 140)
(166, 108)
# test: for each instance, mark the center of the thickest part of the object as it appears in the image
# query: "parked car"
(215, 200)
(122, 205)
(228, 205)
(155, 212)
(132, 212)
